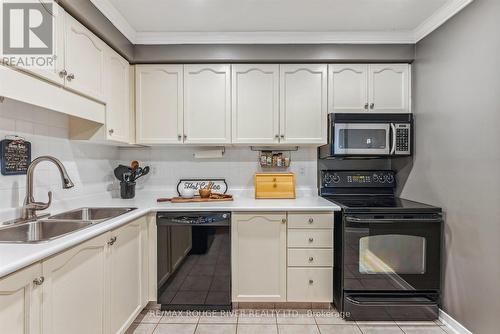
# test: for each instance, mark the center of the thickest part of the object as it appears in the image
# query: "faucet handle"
(40, 205)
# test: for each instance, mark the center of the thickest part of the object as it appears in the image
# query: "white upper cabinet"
(389, 88)
(348, 88)
(255, 104)
(84, 60)
(303, 104)
(118, 97)
(207, 104)
(159, 104)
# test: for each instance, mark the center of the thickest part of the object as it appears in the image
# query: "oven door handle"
(375, 221)
(387, 303)
(393, 148)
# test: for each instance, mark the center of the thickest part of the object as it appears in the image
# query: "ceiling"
(277, 21)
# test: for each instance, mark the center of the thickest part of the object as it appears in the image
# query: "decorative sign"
(15, 156)
(218, 186)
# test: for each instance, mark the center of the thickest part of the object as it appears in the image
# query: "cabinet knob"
(311, 220)
(282, 136)
(111, 131)
(372, 105)
(366, 106)
(185, 137)
(275, 185)
(39, 280)
(283, 221)
(70, 77)
(311, 281)
(277, 136)
(311, 259)
(311, 239)
(179, 137)
(63, 73)
(112, 241)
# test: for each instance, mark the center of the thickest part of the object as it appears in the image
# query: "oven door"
(392, 254)
(362, 139)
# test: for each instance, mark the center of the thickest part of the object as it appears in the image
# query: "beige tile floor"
(272, 322)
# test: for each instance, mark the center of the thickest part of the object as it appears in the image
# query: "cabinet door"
(258, 257)
(303, 104)
(207, 103)
(84, 58)
(53, 66)
(159, 104)
(389, 88)
(126, 274)
(255, 104)
(117, 97)
(20, 301)
(76, 278)
(348, 88)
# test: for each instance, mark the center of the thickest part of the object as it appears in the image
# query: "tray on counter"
(216, 198)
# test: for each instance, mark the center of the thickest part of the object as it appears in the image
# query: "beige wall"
(457, 162)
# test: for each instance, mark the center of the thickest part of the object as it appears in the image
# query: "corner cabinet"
(258, 252)
(255, 104)
(20, 301)
(207, 104)
(159, 104)
(378, 88)
(303, 104)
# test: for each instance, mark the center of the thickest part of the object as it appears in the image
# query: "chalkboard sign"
(15, 156)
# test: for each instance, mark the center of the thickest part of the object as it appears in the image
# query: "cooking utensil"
(144, 171)
(134, 164)
(120, 171)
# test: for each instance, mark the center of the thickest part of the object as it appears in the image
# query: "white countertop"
(16, 256)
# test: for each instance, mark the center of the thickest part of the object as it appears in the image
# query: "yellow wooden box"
(279, 185)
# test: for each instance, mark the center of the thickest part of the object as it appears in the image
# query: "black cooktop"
(379, 203)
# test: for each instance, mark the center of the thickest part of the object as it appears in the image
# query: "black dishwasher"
(194, 260)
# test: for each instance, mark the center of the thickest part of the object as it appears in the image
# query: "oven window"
(392, 254)
(362, 138)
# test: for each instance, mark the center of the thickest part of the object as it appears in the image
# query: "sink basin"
(40, 231)
(91, 214)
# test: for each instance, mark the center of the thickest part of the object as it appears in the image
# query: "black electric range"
(387, 249)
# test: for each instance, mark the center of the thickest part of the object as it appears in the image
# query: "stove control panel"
(357, 179)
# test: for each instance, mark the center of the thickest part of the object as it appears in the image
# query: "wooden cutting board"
(195, 199)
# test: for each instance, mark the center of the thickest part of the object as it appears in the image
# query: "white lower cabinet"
(20, 301)
(74, 297)
(127, 264)
(258, 257)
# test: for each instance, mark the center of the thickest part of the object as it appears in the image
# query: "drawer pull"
(274, 180)
(39, 280)
(311, 281)
(283, 221)
(275, 185)
(311, 220)
(311, 259)
(311, 239)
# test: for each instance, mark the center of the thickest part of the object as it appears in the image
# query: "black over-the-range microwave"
(368, 135)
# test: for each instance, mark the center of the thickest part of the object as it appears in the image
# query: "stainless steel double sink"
(58, 225)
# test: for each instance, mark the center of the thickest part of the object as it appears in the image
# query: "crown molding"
(444, 13)
(116, 18)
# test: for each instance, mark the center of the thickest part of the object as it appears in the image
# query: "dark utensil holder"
(127, 189)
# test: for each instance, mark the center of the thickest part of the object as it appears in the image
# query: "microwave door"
(362, 139)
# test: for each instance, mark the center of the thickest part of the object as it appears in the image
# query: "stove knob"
(336, 178)
(375, 178)
(328, 179)
(390, 178)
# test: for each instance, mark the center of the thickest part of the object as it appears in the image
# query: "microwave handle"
(393, 149)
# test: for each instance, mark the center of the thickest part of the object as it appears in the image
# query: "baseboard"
(447, 319)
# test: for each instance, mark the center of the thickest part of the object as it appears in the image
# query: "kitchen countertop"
(17, 256)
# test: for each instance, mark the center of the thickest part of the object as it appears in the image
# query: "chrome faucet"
(30, 206)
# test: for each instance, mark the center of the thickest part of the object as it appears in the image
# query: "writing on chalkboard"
(15, 156)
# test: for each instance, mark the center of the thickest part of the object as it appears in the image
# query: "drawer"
(275, 185)
(309, 238)
(310, 257)
(310, 220)
(310, 285)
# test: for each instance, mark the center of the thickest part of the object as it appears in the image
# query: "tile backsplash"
(90, 166)
(237, 166)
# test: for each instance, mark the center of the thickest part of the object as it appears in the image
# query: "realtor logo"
(28, 28)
